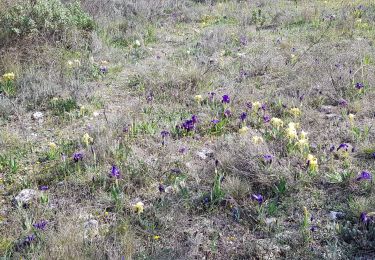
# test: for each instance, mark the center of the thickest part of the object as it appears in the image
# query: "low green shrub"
(44, 17)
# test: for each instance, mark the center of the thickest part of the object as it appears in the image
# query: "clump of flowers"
(77, 157)
(256, 105)
(277, 123)
(9, 76)
(43, 188)
(138, 207)
(225, 99)
(211, 95)
(312, 162)
(258, 198)
(266, 118)
(115, 172)
(7, 86)
(343, 102)
(343, 146)
(295, 111)
(189, 125)
(291, 131)
(243, 130)
(359, 85)
(303, 142)
(367, 218)
(103, 67)
(257, 140)
(52, 150)
(227, 113)
(41, 225)
(364, 175)
(198, 98)
(164, 134)
(351, 119)
(87, 139)
(243, 116)
(267, 158)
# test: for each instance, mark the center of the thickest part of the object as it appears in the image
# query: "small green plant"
(272, 208)
(306, 226)
(258, 17)
(7, 86)
(61, 106)
(217, 193)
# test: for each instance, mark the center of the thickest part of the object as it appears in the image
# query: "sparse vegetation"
(187, 129)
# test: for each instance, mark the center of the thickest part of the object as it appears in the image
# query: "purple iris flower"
(182, 150)
(249, 105)
(243, 40)
(77, 157)
(343, 146)
(243, 73)
(215, 121)
(258, 198)
(150, 97)
(188, 125)
(359, 85)
(41, 225)
(164, 133)
(314, 228)
(266, 118)
(226, 99)
(43, 188)
(194, 118)
(211, 95)
(29, 239)
(373, 155)
(267, 158)
(332, 148)
(343, 102)
(365, 218)
(115, 172)
(227, 113)
(103, 69)
(264, 107)
(161, 188)
(243, 116)
(364, 176)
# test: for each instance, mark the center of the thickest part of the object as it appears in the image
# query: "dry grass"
(197, 187)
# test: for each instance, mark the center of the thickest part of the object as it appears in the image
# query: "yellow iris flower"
(9, 76)
(257, 140)
(243, 130)
(277, 122)
(138, 207)
(312, 162)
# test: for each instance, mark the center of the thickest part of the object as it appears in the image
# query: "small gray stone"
(25, 196)
(332, 116)
(326, 109)
(205, 153)
(37, 116)
(91, 229)
(271, 221)
(336, 215)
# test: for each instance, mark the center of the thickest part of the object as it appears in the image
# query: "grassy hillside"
(187, 129)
